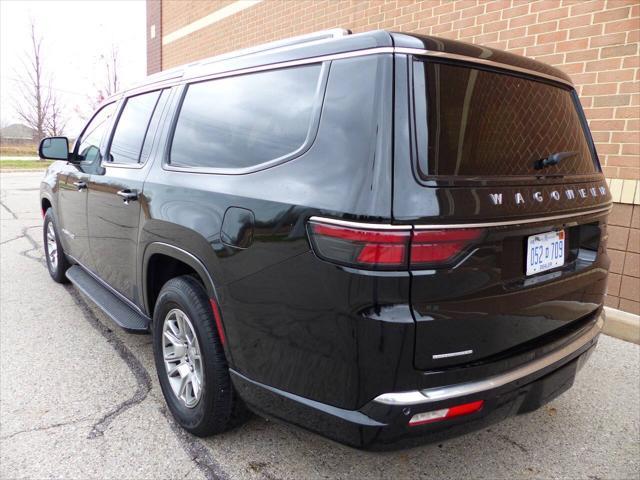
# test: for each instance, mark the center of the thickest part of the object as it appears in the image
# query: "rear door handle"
(128, 195)
(80, 185)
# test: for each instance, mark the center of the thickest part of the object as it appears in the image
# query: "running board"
(115, 308)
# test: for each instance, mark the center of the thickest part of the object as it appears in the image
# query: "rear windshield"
(472, 122)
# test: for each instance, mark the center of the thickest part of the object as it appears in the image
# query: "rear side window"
(472, 122)
(247, 120)
(131, 129)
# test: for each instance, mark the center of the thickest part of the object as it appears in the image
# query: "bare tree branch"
(111, 82)
(36, 104)
(56, 121)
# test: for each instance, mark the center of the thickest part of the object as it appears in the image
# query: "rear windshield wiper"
(553, 159)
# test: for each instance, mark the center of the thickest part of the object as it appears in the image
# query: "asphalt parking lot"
(79, 398)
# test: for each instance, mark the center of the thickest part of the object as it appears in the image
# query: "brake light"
(377, 248)
(446, 413)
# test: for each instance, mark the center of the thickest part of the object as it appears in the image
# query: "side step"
(115, 308)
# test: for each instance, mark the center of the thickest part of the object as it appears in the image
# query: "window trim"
(312, 130)
(138, 165)
(458, 180)
(78, 141)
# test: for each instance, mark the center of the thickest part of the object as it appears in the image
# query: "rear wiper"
(553, 159)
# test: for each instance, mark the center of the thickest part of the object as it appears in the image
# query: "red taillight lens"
(375, 249)
(388, 249)
(446, 413)
(440, 246)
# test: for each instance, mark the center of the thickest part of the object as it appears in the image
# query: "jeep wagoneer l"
(384, 238)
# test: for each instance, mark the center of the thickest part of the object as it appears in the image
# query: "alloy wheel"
(182, 357)
(52, 246)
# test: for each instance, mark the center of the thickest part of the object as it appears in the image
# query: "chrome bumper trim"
(437, 394)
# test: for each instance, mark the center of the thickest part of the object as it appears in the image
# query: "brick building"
(596, 42)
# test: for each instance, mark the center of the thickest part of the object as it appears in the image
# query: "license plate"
(545, 251)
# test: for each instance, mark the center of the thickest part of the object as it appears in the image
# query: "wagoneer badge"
(569, 194)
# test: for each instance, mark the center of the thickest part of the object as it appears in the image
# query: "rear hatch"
(506, 185)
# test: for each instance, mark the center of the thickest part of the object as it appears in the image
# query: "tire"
(211, 412)
(57, 262)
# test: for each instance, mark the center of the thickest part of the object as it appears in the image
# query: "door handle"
(80, 185)
(128, 195)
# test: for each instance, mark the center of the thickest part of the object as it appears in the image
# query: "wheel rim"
(182, 359)
(52, 246)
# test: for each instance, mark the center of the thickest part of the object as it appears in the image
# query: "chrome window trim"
(481, 61)
(435, 226)
(449, 392)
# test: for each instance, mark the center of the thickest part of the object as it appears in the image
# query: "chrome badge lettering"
(496, 198)
(538, 196)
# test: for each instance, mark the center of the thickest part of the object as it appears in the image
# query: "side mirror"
(54, 148)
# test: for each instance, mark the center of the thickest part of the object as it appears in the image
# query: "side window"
(88, 145)
(246, 120)
(131, 129)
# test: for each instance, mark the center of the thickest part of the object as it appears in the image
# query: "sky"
(75, 33)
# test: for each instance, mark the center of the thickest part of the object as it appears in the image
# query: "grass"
(18, 150)
(24, 164)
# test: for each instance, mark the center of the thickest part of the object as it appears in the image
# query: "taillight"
(390, 247)
(366, 248)
(440, 246)
(446, 413)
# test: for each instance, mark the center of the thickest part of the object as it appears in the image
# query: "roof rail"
(286, 42)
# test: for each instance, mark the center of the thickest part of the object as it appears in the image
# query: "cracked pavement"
(79, 398)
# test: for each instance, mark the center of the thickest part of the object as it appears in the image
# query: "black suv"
(379, 237)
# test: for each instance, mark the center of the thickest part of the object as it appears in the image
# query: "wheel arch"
(45, 204)
(159, 251)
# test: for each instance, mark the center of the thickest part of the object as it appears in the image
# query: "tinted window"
(472, 122)
(89, 143)
(131, 129)
(245, 120)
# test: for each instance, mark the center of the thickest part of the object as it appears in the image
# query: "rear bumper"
(383, 423)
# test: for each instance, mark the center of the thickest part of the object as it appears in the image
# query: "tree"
(37, 105)
(112, 82)
(56, 121)
(34, 106)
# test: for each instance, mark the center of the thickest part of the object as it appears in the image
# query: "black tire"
(59, 267)
(213, 412)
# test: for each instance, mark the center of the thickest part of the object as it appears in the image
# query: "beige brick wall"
(154, 36)
(624, 249)
(177, 14)
(596, 42)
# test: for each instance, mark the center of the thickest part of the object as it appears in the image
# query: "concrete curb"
(622, 325)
